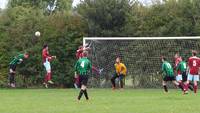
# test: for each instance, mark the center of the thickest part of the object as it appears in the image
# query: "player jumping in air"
(16, 60)
(193, 69)
(168, 73)
(178, 59)
(46, 62)
(182, 68)
(79, 55)
(120, 72)
(82, 67)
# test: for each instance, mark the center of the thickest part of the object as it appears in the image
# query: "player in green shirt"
(83, 67)
(168, 73)
(182, 67)
(16, 60)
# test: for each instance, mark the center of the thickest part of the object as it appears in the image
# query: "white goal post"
(137, 38)
(141, 55)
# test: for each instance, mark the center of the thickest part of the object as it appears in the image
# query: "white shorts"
(47, 66)
(179, 78)
(193, 77)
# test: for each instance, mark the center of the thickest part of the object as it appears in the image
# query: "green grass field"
(102, 101)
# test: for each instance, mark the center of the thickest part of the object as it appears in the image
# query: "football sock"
(86, 94)
(165, 88)
(80, 94)
(48, 76)
(113, 82)
(181, 86)
(12, 78)
(121, 83)
(191, 87)
(195, 88)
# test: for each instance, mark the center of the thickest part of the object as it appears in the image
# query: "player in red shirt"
(79, 52)
(46, 59)
(193, 71)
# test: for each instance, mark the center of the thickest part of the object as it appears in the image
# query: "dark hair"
(177, 53)
(182, 58)
(80, 47)
(194, 52)
(119, 58)
(163, 58)
(45, 45)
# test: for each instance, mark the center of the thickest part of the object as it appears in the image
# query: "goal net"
(141, 56)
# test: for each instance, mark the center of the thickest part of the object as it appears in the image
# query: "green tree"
(61, 30)
(104, 17)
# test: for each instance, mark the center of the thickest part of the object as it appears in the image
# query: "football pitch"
(101, 101)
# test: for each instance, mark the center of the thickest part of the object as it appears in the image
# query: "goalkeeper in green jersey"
(16, 60)
(168, 74)
(83, 67)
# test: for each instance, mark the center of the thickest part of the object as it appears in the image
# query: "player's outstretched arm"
(54, 57)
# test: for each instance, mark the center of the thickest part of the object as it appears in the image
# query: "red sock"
(48, 76)
(195, 88)
(186, 87)
(182, 85)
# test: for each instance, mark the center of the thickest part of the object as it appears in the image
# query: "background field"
(102, 101)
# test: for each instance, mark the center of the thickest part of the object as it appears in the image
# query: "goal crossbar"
(137, 38)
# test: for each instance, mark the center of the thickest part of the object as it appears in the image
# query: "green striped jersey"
(16, 59)
(83, 66)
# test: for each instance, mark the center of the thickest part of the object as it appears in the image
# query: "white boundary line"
(137, 38)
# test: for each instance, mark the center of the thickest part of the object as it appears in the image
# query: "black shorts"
(83, 79)
(184, 76)
(169, 78)
(13, 67)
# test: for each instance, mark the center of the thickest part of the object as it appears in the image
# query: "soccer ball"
(37, 33)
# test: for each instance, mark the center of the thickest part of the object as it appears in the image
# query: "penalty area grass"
(101, 101)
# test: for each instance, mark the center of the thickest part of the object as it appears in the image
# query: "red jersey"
(177, 61)
(45, 55)
(194, 64)
(79, 53)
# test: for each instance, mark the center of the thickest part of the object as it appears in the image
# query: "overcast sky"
(3, 3)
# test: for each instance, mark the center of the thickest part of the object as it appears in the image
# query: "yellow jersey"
(120, 68)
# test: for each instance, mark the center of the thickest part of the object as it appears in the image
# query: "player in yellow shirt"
(120, 72)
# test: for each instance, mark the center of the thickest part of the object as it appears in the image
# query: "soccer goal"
(141, 55)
